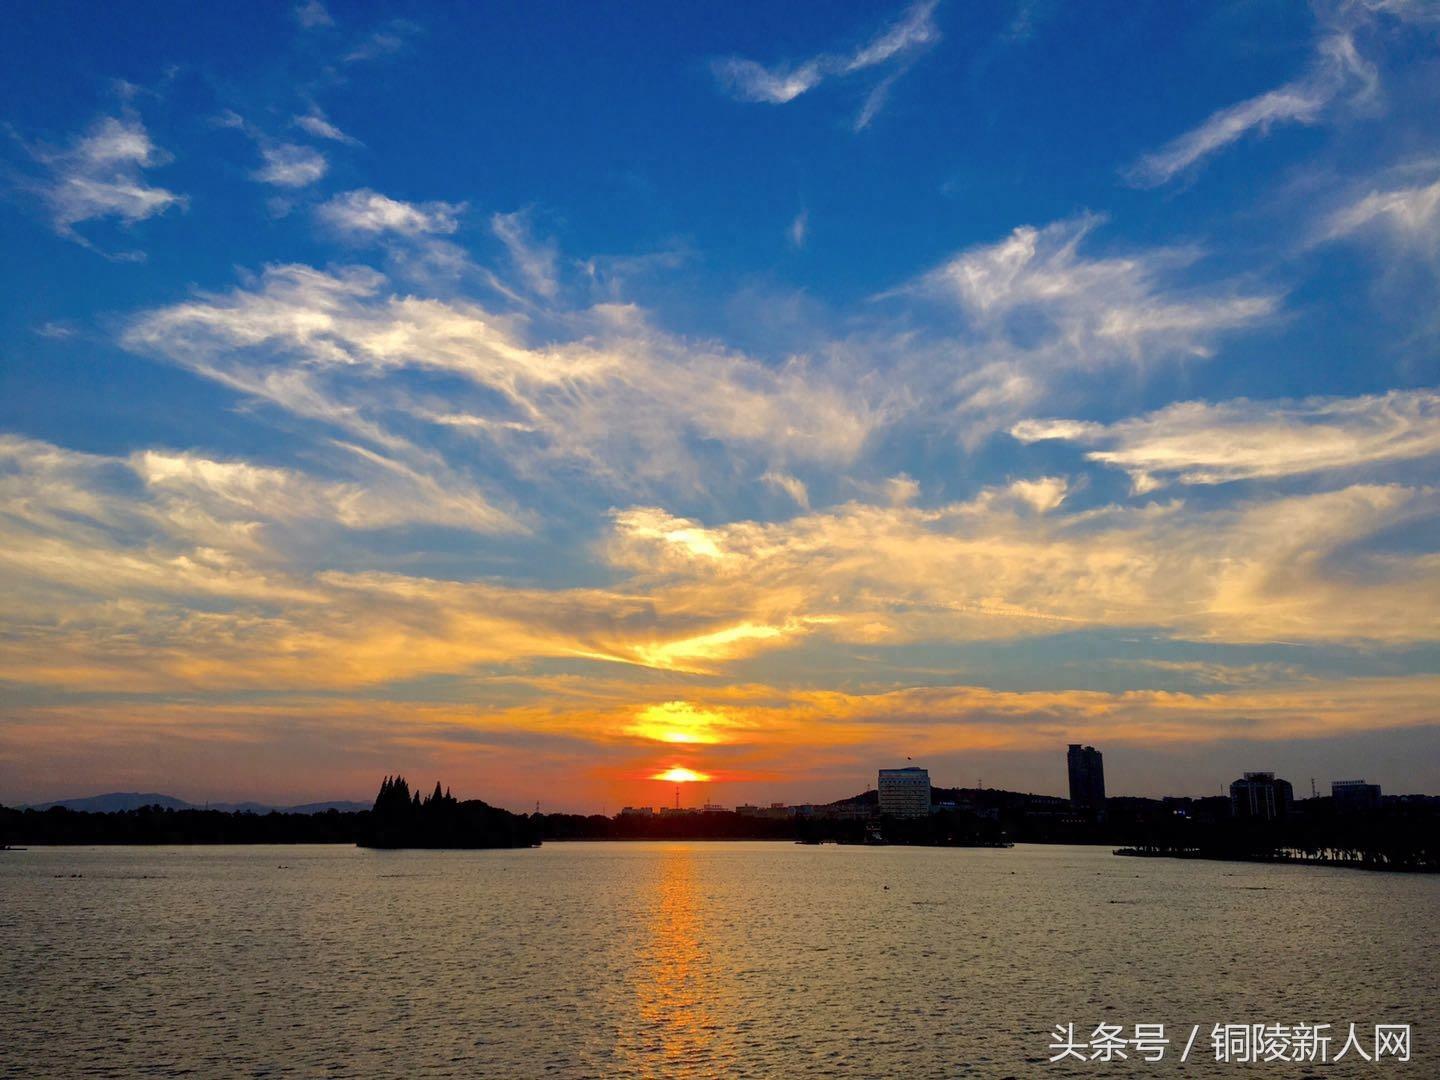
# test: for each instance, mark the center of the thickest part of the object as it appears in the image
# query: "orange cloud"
(680, 722)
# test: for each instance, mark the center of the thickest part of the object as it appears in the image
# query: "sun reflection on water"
(674, 996)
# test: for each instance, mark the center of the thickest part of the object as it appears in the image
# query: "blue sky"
(544, 395)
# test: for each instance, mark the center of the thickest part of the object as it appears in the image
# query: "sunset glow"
(789, 408)
(804, 538)
(678, 774)
(679, 722)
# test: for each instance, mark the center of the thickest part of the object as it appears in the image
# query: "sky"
(542, 396)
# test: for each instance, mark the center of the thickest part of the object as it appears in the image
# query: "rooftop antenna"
(1313, 793)
(677, 796)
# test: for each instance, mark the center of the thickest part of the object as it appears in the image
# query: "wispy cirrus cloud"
(791, 485)
(1113, 303)
(534, 259)
(151, 548)
(626, 402)
(101, 175)
(1009, 564)
(1336, 72)
(316, 123)
(195, 565)
(749, 80)
(608, 393)
(290, 165)
(1196, 442)
(391, 494)
(799, 230)
(387, 40)
(169, 571)
(1407, 216)
(365, 213)
(283, 164)
(185, 490)
(312, 14)
(57, 329)
(1036, 306)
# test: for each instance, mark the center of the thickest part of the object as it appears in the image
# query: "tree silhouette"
(402, 819)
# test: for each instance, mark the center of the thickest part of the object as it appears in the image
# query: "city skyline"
(747, 402)
(702, 794)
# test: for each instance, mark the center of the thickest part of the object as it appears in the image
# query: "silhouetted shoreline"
(1401, 834)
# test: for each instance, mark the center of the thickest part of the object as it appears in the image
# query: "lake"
(688, 960)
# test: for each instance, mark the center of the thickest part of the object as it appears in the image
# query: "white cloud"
(366, 213)
(915, 28)
(172, 569)
(1036, 307)
(317, 124)
(799, 230)
(548, 388)
(1043, 494)
(629, 404)
(545, 391)
(1196, 442)
(999, 566)
(389, 39)
(534, 260)
(748, 80)
(100, 175)
(391, 495)
(57, 329)
(1415, 11)
(286, 165)
(312, 13)
(875, 101)
(792, 486)
(290, 165)
(901, 490)
(1337, 69)
(1096, 303)
(1410, 216)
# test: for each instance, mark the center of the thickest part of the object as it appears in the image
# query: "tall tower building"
(1087, 775)
(1259, 795)
(904, 792)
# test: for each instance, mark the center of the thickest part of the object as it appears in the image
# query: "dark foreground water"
(688, 959)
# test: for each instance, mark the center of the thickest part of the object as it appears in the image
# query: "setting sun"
(678, 774)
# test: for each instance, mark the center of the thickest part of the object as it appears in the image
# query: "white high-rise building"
(904, 792)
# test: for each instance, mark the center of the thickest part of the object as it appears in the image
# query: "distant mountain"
(116, 800)
(133, 800)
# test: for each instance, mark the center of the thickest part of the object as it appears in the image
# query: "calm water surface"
(684, 959)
